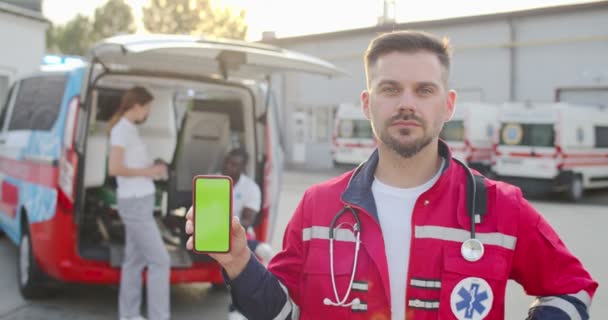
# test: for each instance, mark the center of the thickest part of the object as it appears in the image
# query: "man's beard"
(407, 149)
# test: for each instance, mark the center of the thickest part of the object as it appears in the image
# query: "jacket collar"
(359, 189)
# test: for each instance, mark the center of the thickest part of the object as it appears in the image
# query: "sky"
(300, 17)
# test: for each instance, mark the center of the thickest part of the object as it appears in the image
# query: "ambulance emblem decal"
(471, 299)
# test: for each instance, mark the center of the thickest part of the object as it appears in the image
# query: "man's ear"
(450, 105)
(365, 104)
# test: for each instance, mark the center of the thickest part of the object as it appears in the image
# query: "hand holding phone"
(234, 261)
(212, 213)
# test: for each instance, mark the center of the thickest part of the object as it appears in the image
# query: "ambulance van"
(555, 146)
(353, 140)
(57, 202)
(470, 134)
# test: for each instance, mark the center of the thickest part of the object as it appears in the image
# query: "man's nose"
(406, 102)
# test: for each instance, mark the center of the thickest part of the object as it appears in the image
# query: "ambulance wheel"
(575, 189)
(29, 276)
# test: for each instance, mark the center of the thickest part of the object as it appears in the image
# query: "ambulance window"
(540, 135)
(4, 87)
(360, 129)
(528, 134)
(601, 137)
(38, 103)
(453, 131)
(5, 105)
(363, 129)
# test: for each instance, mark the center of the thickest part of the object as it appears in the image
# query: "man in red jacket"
(399, 237)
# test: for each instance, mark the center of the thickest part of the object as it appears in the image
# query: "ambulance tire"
(31, 279)
(575, 188)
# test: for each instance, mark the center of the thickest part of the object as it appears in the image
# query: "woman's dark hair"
(134, 96)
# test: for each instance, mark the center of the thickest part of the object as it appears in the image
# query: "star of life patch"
(471, 299)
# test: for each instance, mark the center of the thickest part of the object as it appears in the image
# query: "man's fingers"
(189, 227)
(189, 243)
(189, 214)
(237, 228)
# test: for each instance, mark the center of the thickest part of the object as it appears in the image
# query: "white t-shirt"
(395, 206)
(245, 194)
(124, 134)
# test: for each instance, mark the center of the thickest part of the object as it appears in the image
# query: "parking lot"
(580, 225)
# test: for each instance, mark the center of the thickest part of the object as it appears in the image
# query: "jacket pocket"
(473, 290)
(317, 285)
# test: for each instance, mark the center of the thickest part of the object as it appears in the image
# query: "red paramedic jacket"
(519, 244)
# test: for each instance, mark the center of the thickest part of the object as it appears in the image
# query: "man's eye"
(425, 90)
(390, 90)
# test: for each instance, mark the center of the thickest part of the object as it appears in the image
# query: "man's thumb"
(237, 228)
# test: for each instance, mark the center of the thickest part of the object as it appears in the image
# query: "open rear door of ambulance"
(227, 61)
(189, 56)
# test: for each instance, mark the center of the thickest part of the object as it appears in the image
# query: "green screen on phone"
(212, 206)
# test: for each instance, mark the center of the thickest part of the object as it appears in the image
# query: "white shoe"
(264, 252)
(235, 315)
(133, 318)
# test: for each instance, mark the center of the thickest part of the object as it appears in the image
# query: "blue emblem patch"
(471, 299)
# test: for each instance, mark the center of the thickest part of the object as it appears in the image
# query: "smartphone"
(212, 208)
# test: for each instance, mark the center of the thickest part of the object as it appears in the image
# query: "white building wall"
(508, 58)
(23, 46)
(480, 63)
(561, 51)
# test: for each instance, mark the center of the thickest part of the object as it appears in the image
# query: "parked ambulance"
(555, 146)
(353, 140)
(57, 202)
(470, 133)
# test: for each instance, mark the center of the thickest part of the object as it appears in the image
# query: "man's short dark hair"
(408, 42)
(239, 152)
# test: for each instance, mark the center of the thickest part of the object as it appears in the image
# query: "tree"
(79, 34)
(51, 39)
(115, 17)
(171, 16)
(225, 24)
(196, 17)
(71, 38)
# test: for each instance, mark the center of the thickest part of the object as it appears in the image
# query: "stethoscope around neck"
(357, 231)
(471, 249)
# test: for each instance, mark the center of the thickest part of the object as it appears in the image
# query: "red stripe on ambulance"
(30, 171)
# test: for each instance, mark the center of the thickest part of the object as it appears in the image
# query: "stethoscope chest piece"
(472, 250)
